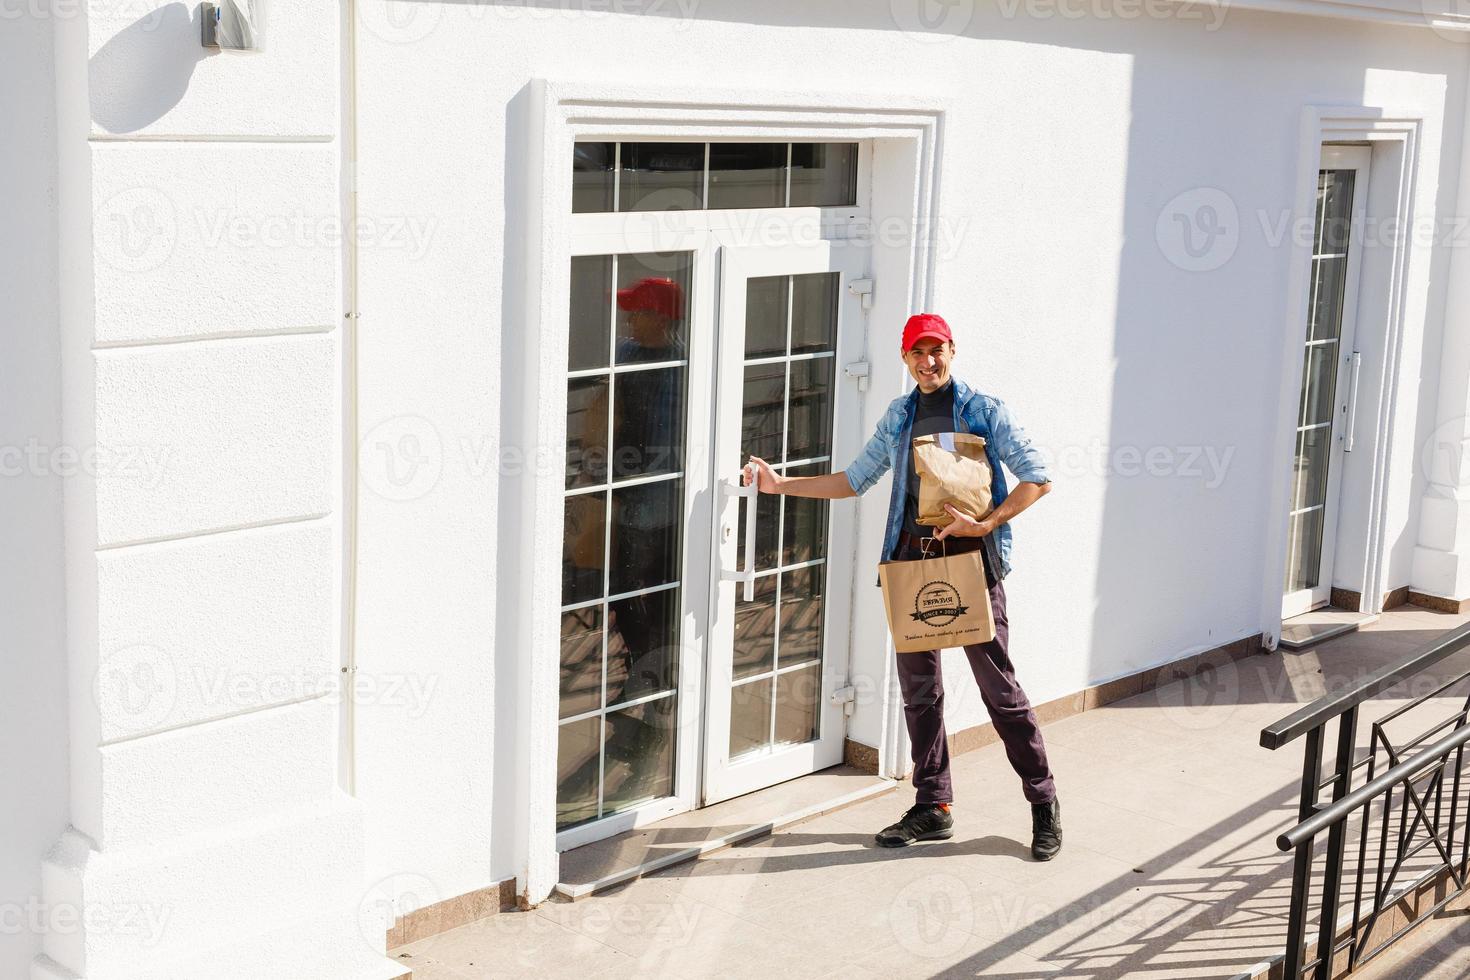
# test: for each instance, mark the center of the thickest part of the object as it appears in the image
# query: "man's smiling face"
(928, 362)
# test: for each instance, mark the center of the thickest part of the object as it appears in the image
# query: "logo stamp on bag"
(938, 604)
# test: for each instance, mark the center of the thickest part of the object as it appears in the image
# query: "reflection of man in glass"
(647, 431)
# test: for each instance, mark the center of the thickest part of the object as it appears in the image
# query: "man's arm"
(1024, 495)
(1021, 458)
(829, 486)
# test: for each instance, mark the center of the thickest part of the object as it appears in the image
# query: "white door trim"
(1395, 136)
(545, 120)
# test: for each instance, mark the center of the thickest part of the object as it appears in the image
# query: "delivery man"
(942, 403)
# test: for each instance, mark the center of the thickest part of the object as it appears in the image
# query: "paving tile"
(510, 944)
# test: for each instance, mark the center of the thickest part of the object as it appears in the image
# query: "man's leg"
(1010, 711)
(920, 680)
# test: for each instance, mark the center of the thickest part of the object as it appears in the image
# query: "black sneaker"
(923, 821)
(1046, 830)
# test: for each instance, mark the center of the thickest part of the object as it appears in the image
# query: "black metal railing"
(1391, 863)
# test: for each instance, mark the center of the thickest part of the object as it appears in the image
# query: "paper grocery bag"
(936, 602)
(952, 469)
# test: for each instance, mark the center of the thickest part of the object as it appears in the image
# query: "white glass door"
(1330, 368)
(789, 327)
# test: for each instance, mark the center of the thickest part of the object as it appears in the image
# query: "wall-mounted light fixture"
(234, 25)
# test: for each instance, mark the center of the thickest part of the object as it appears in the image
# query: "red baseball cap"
(656, 295)
(924, 325)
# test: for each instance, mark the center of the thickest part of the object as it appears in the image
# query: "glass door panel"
(623, 544)
(778, 653)
(1327, 359)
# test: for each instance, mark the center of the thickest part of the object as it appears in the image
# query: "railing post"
(1347, 730)
(1301, 875)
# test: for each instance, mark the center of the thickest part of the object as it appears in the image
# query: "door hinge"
(863, 288)
(858, 370)
(847, 698)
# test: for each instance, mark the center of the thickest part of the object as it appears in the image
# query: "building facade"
(373, 407)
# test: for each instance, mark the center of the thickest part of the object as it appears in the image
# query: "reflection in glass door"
(622, 557)
(1329, 379)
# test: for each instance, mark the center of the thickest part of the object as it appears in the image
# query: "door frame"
(1358, 159)
(542, 124)
(1395, 137)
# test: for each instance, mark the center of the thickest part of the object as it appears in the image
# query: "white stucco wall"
(200, 209)
(1064, 142)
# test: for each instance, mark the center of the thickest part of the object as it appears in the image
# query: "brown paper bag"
(937, 602)
(952, 469)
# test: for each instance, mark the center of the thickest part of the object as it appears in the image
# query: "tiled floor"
(1169, 870)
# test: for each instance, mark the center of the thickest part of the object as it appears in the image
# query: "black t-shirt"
(933, 414)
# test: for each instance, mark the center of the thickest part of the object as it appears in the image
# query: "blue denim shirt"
(975, 412)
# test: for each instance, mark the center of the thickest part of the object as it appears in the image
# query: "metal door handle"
(1355, 364)
(749, 494)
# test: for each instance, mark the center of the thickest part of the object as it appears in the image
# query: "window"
(690, 176)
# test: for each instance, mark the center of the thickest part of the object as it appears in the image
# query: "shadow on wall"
(144, 70)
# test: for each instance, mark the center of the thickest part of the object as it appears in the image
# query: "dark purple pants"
(922, 683)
